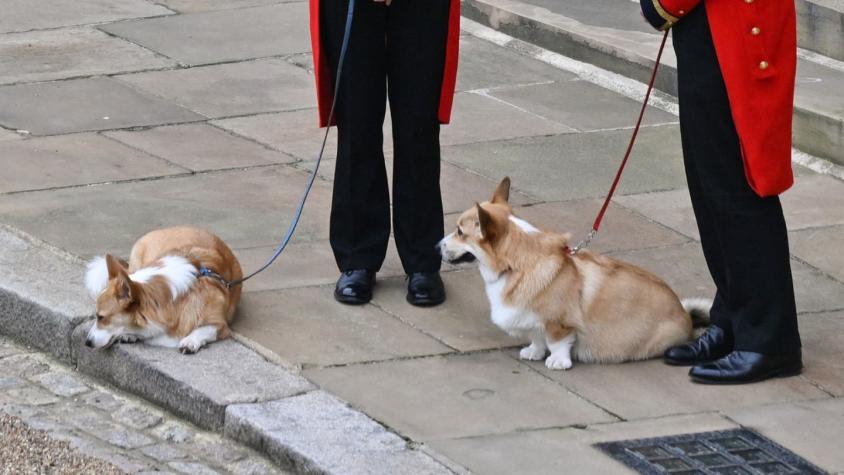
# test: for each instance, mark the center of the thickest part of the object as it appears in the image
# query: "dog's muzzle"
(463, 259)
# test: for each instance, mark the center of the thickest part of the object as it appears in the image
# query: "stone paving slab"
(810, 429)
(242, 88)
(18, 14)
(70, 52)
(304, 264)
(8, 135)
(199, 147)
(623, 229)
(617, 39)
(651, 389)
(582, 105)
(32, 306)
(470, 121)
(295, 133)
(684, 269)
(567, 450)
(84, 105)
(480, 67)
(187, 6)
(457, 396)
(219, 36)
(246, 208)
(823, 350)
(198, 386)
(77, 159)
(813, 201)
(460, 188)
(307, 326)
(311, 434)
(575, 166)
(462, 322)
(812, 246)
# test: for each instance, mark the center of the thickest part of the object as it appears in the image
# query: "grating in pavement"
(730, 452)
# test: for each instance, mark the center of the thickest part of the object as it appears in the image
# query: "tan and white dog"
(159, 297)
(584, 307)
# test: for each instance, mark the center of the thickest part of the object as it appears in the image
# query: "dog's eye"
(99, 317)
(459, 232)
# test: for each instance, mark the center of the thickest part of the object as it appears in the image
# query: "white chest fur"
(513, 320)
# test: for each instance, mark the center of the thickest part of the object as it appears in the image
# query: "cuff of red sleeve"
(656, 15)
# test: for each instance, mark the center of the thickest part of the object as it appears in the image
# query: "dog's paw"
(128, 339)
(189, 346)
(557, 361)
(532, 353)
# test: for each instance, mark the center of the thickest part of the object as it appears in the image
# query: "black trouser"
(744, 236)
(401, 46)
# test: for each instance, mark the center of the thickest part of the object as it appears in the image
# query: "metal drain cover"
(729, 452)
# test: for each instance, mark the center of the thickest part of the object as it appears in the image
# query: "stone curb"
(226, 387)
(198, 387)
(632, 55)
(820, 27)
(318, 433)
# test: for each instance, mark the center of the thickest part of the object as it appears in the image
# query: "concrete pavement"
(119, 120)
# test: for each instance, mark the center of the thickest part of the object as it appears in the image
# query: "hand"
(388, 2)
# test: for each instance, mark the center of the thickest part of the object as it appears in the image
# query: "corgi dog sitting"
(160, 296)
(584, 306)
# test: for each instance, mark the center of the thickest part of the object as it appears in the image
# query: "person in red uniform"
(405, 50)
(736, 64)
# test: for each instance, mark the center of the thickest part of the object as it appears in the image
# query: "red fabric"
(762, 100)
(675, 7)
(322, 72)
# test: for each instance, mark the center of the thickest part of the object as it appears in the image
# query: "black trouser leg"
(744, 236)
(360, 206)
(416, 42)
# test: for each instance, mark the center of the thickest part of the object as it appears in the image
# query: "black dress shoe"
(354, 287)
(710, 346)
(425, 289)
(741, 367)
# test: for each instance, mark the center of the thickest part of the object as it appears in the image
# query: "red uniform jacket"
(324, 79)
(756, 43)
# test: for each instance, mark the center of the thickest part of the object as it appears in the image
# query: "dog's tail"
(698, 309)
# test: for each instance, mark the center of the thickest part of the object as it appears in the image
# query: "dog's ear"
(490, 229)
(502, 192)
(125, 289)
(115, 267)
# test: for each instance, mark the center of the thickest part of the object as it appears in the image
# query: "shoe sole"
(782, 373)
(352, 300)
(424, 302)
(671, 362)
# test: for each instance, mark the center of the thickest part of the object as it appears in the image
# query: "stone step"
(612, 35)
(820, 26)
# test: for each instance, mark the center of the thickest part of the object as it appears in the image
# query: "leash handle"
(347, 33)
(597, 224)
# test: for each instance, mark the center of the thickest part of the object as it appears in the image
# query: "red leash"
(597, 224)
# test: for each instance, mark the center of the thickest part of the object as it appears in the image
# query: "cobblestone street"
(106, 424)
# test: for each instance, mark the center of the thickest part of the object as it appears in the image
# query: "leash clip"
(584, 243)
(206, 272)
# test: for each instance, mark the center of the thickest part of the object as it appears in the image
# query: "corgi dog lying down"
(161, 296)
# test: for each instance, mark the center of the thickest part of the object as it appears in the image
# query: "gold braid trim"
(664, 14)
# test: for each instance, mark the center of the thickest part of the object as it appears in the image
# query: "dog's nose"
(89, 343)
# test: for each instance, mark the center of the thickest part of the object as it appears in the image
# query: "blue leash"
(204, 272)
